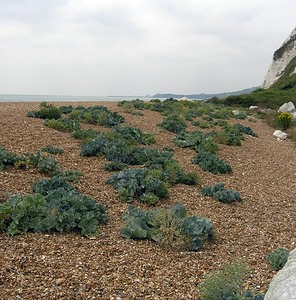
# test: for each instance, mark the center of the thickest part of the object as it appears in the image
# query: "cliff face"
(282, 58)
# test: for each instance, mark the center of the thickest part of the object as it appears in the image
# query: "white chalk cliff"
(281, 59)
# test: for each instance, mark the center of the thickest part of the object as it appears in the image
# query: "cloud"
(138, 47)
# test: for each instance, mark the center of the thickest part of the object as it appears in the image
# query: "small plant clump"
(60, 211)
(115, 166)
(211, 163)
(136, 183)
(224, 284)
(154, 180)
(136, 104)
(46, 111)
(196, 140)
(48, 165)
(118, 149)
(174, 123)
(71, 175)
(171, 227)
(278, 258)
(7, 158)
(219, 193)
(85, 134)
(245, 130)
(66, 109)
(230, 135)
(135, 134)
(97, 115)
(54, 206)
(62, 124)
(52, 150)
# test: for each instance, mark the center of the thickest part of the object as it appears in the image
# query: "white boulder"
(287, 107)
(283, 285)
(236, 112)
(253, 107)
(280, 135)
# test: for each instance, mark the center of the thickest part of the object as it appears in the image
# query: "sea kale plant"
(172, 227)
(219, 193)
(138, 183)
(52, 150)
(46, 111)
(97, 115)
(7, 158)
(54, 206)
(62, 124)
(174, 123)
(150, 184)
(211, 163)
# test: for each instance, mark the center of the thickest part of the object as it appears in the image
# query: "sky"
(139, 47)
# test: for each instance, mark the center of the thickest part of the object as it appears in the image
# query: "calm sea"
(56, 98)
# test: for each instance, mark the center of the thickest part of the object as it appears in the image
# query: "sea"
(65, 98)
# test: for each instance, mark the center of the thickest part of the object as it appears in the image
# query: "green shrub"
(85, 134)
(220, 123)
(127, 107)
(224, 284)
(223, 114)
(66, 109)
(61, 211)
(219, 193)
(97, 146)
(47, 111)
(47, 186)
(208, 118)
(211, 163)
(120, 150)
(241, 116)
(246, 130)
(28, 160)
(189, 139)
(202, 124)
(133, 183)
(135, 134)
(171, 171)
(71, 175)
(48, 165)
(170, 227)
(166, 229)
(278, 258)
(191, 178)
(248, 295)
(7, 158)
(62, 124)
(97, 114)
(155, 186)
(196, 140)
(174, 123)
(207, 144)
(52, 150)
(231, 135)
(115, 166)
(136, 104)
(149, 198)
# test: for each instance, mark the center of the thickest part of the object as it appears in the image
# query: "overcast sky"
(139, 47)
